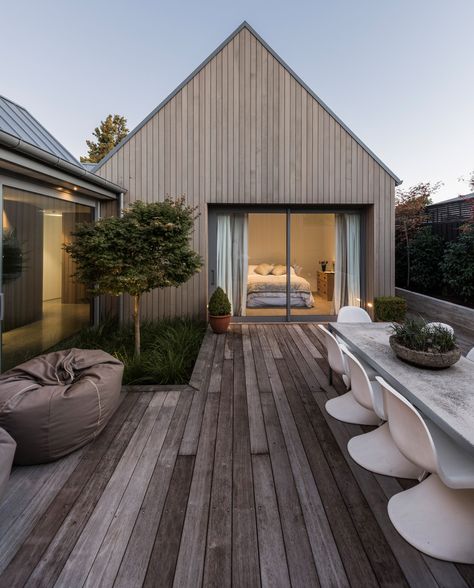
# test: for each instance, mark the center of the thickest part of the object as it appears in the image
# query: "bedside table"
(326, 285)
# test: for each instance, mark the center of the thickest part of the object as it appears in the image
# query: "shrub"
(390, 308)
(426, 250)
(147, 247)
(219, 304)
(458, 265)
(417, 335)
(170, 348)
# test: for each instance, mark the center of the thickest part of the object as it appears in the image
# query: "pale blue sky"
(400, 73)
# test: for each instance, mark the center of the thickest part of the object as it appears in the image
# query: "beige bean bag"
(7, 451)
(56, 403)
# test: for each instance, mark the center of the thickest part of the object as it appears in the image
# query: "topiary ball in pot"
(219, 311)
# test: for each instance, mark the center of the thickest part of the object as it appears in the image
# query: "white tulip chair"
(437, 515)
(353, 314)
(470, 354)
(345, 407)
(375, 451)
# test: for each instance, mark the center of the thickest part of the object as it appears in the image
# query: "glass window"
(325, 262)
(43, 304)
(312, 262)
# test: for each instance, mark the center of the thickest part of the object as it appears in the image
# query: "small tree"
(147, 248)
(410, 215)
(108, 134)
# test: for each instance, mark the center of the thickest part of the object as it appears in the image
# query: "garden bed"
(169, 349)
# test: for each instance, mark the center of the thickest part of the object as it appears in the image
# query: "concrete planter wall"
(446, 312)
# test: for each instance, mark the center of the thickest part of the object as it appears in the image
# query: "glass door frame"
(13, 181)
(288, 210)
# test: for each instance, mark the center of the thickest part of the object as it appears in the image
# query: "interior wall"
(52, 256)
(312, 240)
(267, 238)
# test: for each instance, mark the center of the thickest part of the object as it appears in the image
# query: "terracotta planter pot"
(424, 359)
(219, 324)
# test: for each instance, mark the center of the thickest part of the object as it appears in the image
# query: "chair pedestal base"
(437, 520)
(376, 451)
(346, 408)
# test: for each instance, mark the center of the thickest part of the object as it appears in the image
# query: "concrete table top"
(444, 396)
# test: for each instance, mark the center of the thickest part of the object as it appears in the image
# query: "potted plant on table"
(424, 345)
(219, 311)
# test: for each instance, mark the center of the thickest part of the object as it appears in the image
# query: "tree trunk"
(136, 321)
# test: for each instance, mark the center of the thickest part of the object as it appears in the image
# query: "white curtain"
(232, 259)
(347, 269)
(353, 259)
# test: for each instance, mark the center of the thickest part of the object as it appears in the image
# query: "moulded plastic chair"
(470, 355)
(437, 515)
(345, 407)
(441, 326)
(375, 451)
(336, 360)
(353, 314)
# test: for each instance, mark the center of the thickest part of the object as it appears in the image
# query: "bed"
(270, 291)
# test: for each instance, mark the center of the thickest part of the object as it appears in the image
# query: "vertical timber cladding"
(243, 129)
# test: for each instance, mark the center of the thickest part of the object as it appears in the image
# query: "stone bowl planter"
(219, 324)
(425, 359)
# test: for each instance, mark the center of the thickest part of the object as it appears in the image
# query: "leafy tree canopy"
(147, 248)
(410, 215)
(410, 206)
(108, 134)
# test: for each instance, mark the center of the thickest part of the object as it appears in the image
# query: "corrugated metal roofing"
(17, 121)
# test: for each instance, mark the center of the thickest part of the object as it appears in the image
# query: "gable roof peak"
(246, 25)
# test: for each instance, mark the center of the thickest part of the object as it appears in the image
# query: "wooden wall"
(245, 131)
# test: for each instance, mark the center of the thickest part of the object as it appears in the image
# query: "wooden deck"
(239, 479)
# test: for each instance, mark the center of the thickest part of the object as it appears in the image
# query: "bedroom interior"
(323, 254)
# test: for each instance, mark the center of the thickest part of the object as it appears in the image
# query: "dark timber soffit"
(245, 25)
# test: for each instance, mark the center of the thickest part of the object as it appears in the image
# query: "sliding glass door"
(42, 303)
(286, 264)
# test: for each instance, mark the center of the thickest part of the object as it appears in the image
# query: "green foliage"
(417, 335)
(109, 134)
(458, 265)
(219, 304)
(410, 215)
(147, 248)
(170, 349)
(390, 308)
(426, 251)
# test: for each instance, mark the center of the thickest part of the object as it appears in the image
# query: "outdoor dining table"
(444, 396)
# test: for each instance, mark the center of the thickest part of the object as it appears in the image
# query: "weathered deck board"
(240, 479)
(245, 565)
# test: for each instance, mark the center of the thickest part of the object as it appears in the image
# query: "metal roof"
(18, 122)
(245, 25)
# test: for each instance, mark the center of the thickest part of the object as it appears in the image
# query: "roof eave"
(14, 143)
